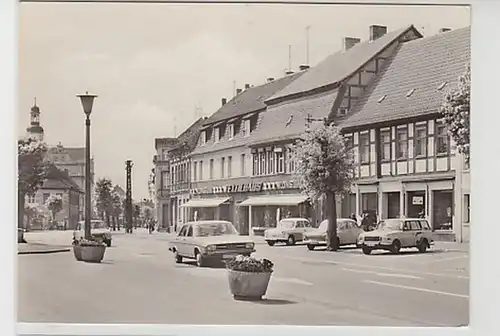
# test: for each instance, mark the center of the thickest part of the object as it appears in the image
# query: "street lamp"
(87, 102)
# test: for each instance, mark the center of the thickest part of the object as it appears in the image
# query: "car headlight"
(386, 238)
(361, 238)
(249, 245)
(211, 248)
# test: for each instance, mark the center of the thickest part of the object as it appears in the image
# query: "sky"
(156, 68)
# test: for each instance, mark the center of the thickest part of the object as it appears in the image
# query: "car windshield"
(323, 226)
(94, 224)
(214, 229)
(389, 224)
(286, 224)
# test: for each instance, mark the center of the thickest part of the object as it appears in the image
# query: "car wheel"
(366, 250)
(108, 243)
(422, 247)
(177, 257)
(291, 240)
(200, 261)
(396, 247)
(270, 242)
(310, 247)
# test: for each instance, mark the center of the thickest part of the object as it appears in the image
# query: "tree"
(32, 170)
(136, 213)
(116, 209)
(324, 168)
(147, 214)
(55, 204)
(32, 212)
(104, 198)
(456, 112)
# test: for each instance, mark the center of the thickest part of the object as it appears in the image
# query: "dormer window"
(203, 138)
(243, 128)
(381, 99)
(441, 86)
(230, 129)
(216, 134)
(409, 93)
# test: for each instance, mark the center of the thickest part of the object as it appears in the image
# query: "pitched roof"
(58, 179)
(251, 99)
(340, 65)
(423, 65)
(76, 154)
(288, 119)
(188, 139)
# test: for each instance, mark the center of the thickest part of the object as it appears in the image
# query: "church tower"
(35, 130)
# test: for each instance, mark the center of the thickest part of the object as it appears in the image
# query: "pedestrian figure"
(366, 222)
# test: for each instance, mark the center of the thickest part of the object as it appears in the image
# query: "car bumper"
(315, 242)
(276, 239)
(221, 255)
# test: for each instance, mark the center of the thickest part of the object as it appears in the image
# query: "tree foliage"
(324, 168)
(456, 114)
(55, 204)
(104, 198)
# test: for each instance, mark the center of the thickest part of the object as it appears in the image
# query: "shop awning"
(288, 200)
(205, 202)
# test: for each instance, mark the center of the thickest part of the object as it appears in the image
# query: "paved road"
(139, 283)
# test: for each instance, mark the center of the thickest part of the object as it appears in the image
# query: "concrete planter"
(248, 285)
(20, 235)
(93, 254)
(77, 251)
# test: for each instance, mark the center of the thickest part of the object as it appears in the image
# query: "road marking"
(376, 267)
(416, 289)
(394, 275)
(444, 259)
(292, 281)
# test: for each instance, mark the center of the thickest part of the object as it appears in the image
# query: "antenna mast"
(290, 57)
(307, 44)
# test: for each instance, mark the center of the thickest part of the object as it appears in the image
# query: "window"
(173, 175)
(442, 140)
(216, 134)
(164, 179)
(183, 231)
(385, 143)
(222, 167)
(280, 161)
(262, 160)
(203, 138)
(195, 170)
(420, 140)
(415, 226)
(291, 162)
(201, 170)
(364, 148)
(255, 167)
(189, 232)
(243, 127)
(211, 169)
(243, 163)
(270, 162)
(230, 128)
(229, 166)
(31, 198)
(164, 154)
(349, 142)
(467, 208)
(247, 127)
(401, 143)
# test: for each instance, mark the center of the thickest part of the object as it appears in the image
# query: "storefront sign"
(245, 187)
(418, 200)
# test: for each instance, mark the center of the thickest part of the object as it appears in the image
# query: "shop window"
(420, 141)
(442, 210)
(364, 148)
(280, 162)
(467, 208)
(385, 142)
(402, 143)
(442, 140)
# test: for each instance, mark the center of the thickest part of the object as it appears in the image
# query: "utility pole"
(307, 44)
(128, 197)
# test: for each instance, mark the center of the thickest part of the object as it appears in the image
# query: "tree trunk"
(107, 219)
(332, 238)
(20, 209)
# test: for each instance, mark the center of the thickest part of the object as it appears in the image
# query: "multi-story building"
(173, 174)
(221, 161)
(70, 159)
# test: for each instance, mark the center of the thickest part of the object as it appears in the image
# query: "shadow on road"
(274, 302)
(387, 253)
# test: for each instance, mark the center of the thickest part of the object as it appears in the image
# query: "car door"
(180, 240)
(426, 229)
(355, 232)
(407, 236)
(189, 243)
(298, 230)
(417, 230)
(342, 232)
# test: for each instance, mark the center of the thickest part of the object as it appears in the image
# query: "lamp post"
(87, 102)
(128, 207)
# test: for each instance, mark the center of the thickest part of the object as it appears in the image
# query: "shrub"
(249, 264)
(86, 242)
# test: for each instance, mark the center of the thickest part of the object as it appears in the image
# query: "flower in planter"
(86, 242)
(249, 264)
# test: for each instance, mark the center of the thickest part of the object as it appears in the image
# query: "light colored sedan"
(347, 233)
(211, 240)
(288, 230)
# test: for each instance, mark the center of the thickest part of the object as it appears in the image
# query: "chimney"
(289, 72)
(304, 67)
(444, 30)
(247, 86)
(377, 31)
(238, 91)
(350, 42)
(224, 101)
(270, 79)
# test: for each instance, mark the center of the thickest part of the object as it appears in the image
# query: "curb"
(59, 250)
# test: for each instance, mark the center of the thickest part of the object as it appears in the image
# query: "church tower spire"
(35, 130)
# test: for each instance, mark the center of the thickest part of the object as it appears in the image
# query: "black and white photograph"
(244, 164)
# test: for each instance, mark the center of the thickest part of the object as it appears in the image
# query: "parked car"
(98, 230)
(288, 230)
(394, 234)
(209, 240)
(347, 233)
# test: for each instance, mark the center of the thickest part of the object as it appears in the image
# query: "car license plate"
(370, 243)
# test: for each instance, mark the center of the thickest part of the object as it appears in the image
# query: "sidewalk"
(36, 248)
(452, 246)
